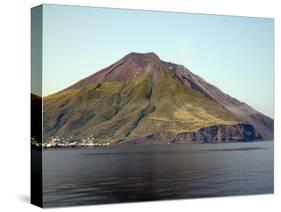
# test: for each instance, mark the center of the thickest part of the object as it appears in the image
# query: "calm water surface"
(155, 172)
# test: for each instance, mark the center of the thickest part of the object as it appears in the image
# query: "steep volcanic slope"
(132, 66)
(143, 99)
(262, 123)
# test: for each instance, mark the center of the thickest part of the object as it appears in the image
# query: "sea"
(128, 173)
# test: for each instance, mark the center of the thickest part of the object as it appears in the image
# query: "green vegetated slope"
(120, 111)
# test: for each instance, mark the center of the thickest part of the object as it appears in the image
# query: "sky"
(233, 53)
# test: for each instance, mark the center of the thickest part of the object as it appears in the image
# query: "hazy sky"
(233, 53)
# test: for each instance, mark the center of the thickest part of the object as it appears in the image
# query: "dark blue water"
(155, 172)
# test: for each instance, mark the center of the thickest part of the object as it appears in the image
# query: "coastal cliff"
(219, 134)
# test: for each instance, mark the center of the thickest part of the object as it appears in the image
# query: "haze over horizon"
(233, 53)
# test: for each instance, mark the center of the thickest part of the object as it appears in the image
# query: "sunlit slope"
(125, 110)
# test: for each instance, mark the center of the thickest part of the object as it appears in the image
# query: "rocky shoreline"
(240, 132)
(219, 134)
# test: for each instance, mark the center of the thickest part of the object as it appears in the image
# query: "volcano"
(142, 99)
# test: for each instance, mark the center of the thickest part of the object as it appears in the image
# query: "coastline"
(141, 144)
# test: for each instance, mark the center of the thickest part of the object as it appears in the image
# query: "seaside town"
(56, 142)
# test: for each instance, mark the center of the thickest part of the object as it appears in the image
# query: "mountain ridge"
(145, 86)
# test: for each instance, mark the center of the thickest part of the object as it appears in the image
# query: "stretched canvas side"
(36, 106)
